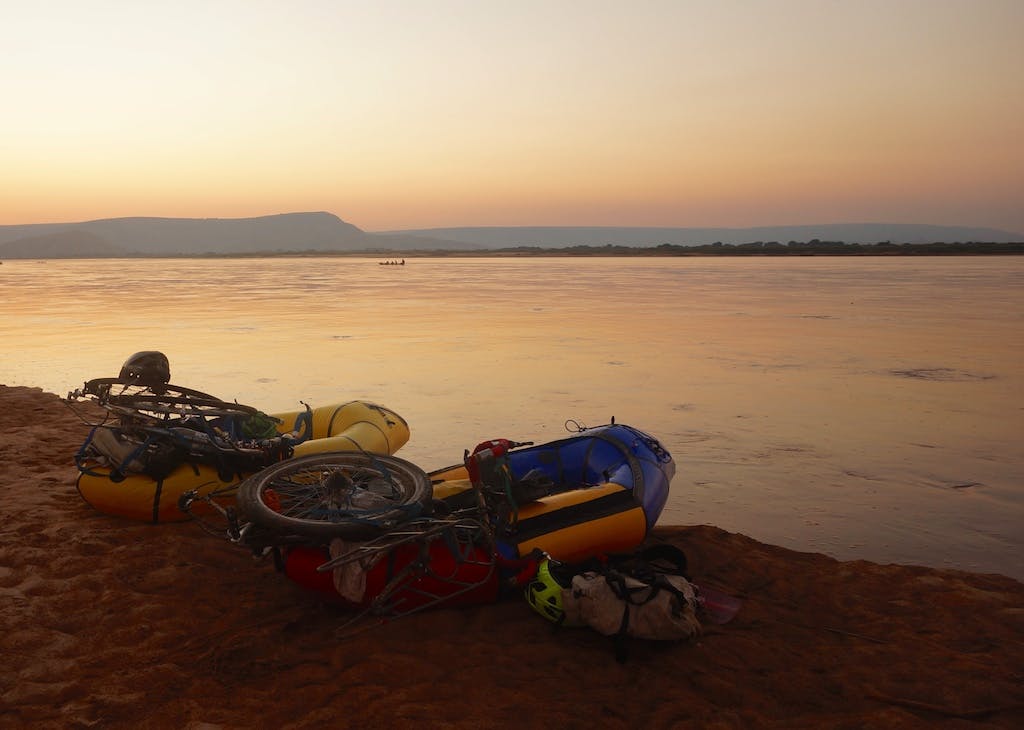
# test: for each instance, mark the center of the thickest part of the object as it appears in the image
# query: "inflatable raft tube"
(351, 426)
(609, 486)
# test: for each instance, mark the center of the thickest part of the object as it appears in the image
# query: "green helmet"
(544, 592)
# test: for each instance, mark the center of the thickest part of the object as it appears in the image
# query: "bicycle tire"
(335, 494)
(186, 406)
(166, 399)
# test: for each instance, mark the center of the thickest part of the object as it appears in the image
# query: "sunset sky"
(406, 114)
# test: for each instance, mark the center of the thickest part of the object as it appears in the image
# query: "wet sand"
(108, 623)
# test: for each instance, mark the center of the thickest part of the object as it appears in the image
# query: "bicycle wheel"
(351, 495)
(178, 405)
(127, 397)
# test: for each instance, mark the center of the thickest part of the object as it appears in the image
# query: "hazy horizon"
(343, 220)
(405, 115)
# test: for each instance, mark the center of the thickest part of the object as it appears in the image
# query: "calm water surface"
(861, 407)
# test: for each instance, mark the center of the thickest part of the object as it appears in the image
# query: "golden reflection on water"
(862, 407)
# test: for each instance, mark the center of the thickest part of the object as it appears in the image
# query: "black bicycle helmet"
(148, 367)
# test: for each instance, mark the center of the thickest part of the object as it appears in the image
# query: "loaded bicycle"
(158, 441)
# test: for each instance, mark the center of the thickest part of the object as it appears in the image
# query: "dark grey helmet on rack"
(149, 367)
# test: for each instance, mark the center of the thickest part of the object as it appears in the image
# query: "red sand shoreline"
(108, 623)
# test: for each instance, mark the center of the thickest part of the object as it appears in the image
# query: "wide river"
(860, 407)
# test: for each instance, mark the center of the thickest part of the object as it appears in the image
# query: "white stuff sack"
(664, 612)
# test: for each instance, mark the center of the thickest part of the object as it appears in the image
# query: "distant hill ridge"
(157, 236)
(327, 233)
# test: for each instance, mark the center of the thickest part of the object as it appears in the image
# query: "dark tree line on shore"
(814, 247)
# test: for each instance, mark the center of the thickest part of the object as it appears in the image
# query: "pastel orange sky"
(446, 113)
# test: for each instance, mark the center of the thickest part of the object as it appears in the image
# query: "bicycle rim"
(323, 496)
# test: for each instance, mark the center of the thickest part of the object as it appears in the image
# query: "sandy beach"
(109, 623)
